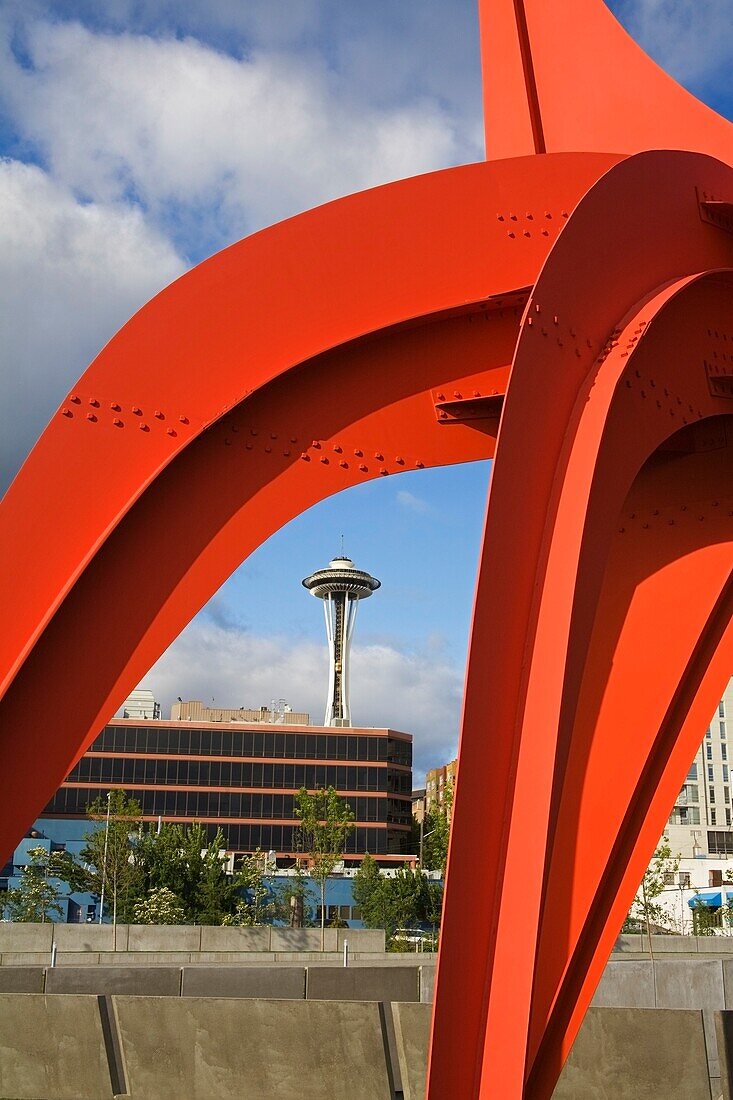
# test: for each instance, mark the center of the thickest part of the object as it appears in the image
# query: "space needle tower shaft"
(341, 586)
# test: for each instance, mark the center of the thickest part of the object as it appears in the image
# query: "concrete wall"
(272, 982)
(76, 1047)
(222, 1049)
(373, 983)
(95, 944)
(620, 1054)
(52, 1048)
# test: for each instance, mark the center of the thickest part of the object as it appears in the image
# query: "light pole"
(104, 858)
(423, 836)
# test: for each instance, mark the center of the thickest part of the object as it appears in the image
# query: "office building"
(243, 777)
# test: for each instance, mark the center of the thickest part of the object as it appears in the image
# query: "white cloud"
(186, 129)
(419, 693)
(414, 503)
(70, 275)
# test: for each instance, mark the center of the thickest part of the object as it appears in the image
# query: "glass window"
(711, 773)
(721, 709)
(708, 733)
(711, 796)
(713, 816)
(725, 773)
(724, 752)
(709, 752)
(727, 815)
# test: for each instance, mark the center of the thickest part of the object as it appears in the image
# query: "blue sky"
(139, 136)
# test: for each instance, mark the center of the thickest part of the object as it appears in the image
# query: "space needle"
(341, 586)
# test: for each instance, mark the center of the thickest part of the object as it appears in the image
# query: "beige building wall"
(195, 711)
(437, 782)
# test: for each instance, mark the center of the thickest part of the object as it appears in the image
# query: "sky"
(138, 137)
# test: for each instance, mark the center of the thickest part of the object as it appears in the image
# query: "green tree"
(161, 906)
(293, 897)
(35, 900)
(257, 906)
(112, 871)
(436, 834)
(645, 907)
(366, 883)
(183, 860)
(326, 822)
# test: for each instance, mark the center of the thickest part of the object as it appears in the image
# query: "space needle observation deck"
(341, 586)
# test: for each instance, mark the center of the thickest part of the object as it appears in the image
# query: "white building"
(700, 824)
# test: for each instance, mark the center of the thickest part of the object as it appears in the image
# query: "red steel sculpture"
(566, 306)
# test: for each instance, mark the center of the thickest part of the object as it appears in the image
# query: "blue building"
(58, 834)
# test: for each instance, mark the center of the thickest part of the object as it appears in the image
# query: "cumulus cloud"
(418, 692)
(201, 138)
(70, 275)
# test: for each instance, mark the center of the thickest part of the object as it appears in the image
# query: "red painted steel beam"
(524, 680)
(394, 284)
(567, 76)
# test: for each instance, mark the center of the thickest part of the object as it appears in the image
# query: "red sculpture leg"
(552, 497)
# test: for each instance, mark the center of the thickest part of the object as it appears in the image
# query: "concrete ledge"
(235, 939)
(26, 937)
(172, 937)
(637, 1054)
(303, 939)
(684, 983)
(361, 939)
(715, 945)
(26, 958)
(427, 984)
(104, 980)
(78, 938)
(146, 958)
(626, 984)
(52, 1048)
(363, 983)
(227, 1049)
(412, 1036)
(22, 979)
(269, 982)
